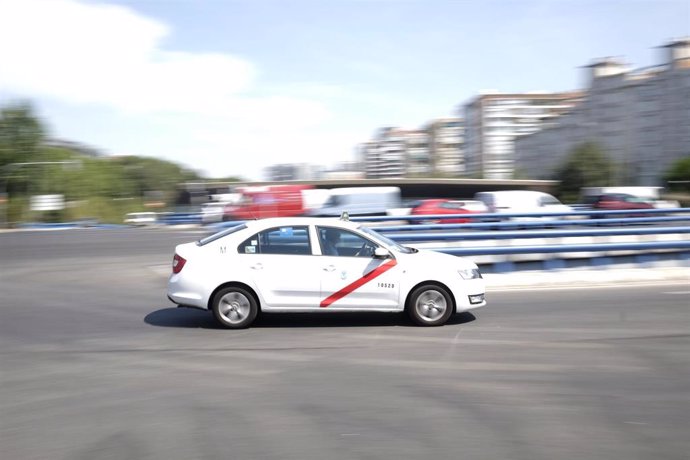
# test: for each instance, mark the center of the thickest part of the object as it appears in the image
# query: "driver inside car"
(329, 239)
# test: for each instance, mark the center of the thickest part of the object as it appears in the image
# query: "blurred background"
(185, 109)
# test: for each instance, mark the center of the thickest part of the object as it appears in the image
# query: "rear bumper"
(182, 294)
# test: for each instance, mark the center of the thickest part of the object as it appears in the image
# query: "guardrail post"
(646, 260)
(685, 258)
(553, 264)
(504, 266)
(601, 262)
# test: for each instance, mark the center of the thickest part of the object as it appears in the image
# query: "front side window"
(290, 240)
(340, 242)
(333, 201)
(387, 241)
(549, 201)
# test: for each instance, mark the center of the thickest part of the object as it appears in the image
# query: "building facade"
(293, 171)
(640, 118)
(493, 121)
(417, 159)
(446, 147)
(384, 157)
(435, 150)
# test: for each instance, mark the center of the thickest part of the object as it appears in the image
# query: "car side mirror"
(381, 253)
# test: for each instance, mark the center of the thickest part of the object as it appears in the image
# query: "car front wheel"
(235, 308)
(430, 305)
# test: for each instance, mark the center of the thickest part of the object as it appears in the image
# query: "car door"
(355, 279)
(279, 260)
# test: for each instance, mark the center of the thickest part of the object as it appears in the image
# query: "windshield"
(221, 234)
(387, 241)
(333, 201)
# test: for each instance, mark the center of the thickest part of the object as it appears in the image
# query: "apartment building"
(293, 171)
(384, 156)
(493, 121)
(446, 146)
(418, 162)
(433, 150)
(640, 118)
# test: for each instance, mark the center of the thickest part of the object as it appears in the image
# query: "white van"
(359, 201)
(521, 201)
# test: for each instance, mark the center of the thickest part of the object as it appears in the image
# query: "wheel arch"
(238, 284)
(430, 283)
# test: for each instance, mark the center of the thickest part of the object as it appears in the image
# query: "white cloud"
(94, 53)
(95, 57)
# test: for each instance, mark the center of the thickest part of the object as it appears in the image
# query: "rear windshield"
(221, 234)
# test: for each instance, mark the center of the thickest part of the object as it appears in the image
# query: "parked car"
(443, 206)
(522, 201)
(651, 195)
(213, 211)
(619, 202)
(306, 264)
(141, 219)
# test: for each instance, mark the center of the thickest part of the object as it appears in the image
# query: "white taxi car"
(309, 264)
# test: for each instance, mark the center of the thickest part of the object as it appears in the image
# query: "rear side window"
(292, 240)
(221, 234)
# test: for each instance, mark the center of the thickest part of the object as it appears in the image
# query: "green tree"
(21, 134)
(586, 166)
(678, 175)
(153, 175)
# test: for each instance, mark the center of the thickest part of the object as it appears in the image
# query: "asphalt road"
(95, 363)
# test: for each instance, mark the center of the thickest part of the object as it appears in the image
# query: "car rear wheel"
(235, 308)
(430, 305)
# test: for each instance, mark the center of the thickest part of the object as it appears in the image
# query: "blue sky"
(230, 87)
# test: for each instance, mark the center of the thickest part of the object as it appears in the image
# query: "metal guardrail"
(511, 250)
(506, 248)
(465, 236)
(581, 214)
(180, 218)
(570, 248)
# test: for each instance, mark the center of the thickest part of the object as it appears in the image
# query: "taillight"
(178, 263)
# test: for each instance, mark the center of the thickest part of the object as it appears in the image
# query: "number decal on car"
(380, 270)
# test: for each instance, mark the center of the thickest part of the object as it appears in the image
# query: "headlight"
(470, 273)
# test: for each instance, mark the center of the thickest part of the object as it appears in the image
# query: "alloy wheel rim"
(431, 305)
(234, 307)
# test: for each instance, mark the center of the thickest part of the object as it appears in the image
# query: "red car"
(440, 206)
(620, 201)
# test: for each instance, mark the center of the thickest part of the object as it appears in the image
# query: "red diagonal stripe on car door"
(381, 269)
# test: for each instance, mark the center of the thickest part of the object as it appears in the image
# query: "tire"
(430, 305)
(235, 307)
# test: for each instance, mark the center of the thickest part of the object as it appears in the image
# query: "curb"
(587, 278)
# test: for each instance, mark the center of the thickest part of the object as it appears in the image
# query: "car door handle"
(329, 268)
(257, 266)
